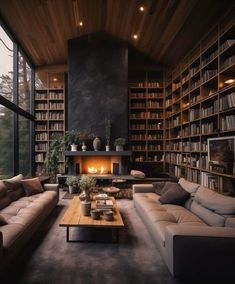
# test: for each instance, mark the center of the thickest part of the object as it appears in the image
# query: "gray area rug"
(48, 258)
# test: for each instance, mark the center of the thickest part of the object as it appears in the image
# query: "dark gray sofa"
(23, 215)
(196, 240)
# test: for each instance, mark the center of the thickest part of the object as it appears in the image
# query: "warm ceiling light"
(229, 81)
(141, 8)
(54, 79)
(135, 36)
(80, 24)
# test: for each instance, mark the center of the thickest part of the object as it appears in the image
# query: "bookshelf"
(49, 110)
(146, 118)
(200, 104)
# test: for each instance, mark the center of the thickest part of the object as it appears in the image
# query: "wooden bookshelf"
(50, 115)
(146, 118)
(200, 104)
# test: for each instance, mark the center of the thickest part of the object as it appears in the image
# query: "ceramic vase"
(119, 148)
(74, 147)
(85, 208)
(97, 144)
(107, 148)
(84, 147)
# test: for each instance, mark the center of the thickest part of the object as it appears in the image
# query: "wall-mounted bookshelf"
(200, 104)
(146, 117)
(49, 114)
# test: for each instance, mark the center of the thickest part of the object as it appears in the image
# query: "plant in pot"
(107, 134)
(51, 162)
(73, 183)
(71, 139)
(119, 143)
(86, 184)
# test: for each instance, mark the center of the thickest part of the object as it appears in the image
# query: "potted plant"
(107, 134)
(71, 139)
(51, 162)
(86, 184)
(73, 183)
(119, 143)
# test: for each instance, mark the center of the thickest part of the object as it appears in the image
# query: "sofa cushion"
(230, 222)
(3, 189)
(2, 221)
(14, 182)
(173, 193)
(32, 186)
(214, 201)
(208, 216)
(137, 174)
(4, 201)
(158, 186)
(189, 186)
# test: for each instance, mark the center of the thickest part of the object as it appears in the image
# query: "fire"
(94, 170)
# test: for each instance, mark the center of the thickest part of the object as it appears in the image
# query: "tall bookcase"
(49, 115)
(200, 104)
(146, 117)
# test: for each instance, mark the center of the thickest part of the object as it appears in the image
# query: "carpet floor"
(49, 259)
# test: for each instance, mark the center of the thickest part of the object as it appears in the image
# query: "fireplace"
(98, 162)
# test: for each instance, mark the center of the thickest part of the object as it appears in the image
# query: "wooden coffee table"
(74, 218)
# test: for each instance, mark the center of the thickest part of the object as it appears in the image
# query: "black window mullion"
(32, 132)
(15, 115)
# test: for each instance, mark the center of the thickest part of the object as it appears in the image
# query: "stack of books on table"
(101, 196)
(104, 204)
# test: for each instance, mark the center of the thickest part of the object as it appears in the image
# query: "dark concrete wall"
(98, 86)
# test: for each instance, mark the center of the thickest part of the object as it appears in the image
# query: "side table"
(112, 191)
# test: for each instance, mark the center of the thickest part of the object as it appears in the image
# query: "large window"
(16, 119)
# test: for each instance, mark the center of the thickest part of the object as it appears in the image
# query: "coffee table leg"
(67, 234)
(117, 235)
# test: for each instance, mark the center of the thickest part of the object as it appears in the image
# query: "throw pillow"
(174, 194)
(189, 186)
(14, 182)
(2, 221)
(158, 186)
(137, 174)
(32, 186)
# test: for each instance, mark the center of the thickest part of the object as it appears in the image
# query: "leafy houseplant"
(52, 158)
(119, 143)
(71, 138)
(107, 134)
(72, 182)
(86, 184)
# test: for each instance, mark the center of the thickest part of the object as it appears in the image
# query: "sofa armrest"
(51, 187)
(142, 188)
(200, 251)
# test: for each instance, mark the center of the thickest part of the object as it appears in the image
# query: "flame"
(94, 170)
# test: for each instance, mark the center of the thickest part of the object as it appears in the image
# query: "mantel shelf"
(98, 153)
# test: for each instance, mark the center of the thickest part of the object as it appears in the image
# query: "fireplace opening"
(96, 165)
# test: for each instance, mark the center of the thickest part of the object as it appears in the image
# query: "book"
(101, 196)
(104, 204)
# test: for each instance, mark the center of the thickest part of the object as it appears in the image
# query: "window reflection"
(6, 66)
(24, 146)
(24, 83)
(6, 143)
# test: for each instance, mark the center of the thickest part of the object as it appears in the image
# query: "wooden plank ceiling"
(43, 27)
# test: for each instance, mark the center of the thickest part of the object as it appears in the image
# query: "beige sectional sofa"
(22, 209)
(196, 239)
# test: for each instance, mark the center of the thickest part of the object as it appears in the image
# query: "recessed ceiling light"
(54, 79)
(135, 36)
(229, 81)
(80, 24)
(141, 8)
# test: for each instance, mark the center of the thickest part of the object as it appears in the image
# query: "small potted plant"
(107, 134)
(71, 139)
(86, 184)
(119, 143)
(73, 183)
